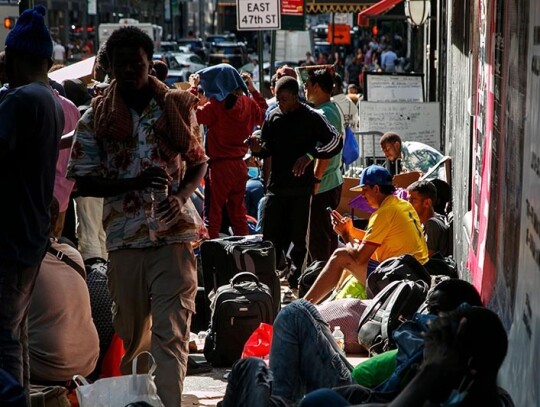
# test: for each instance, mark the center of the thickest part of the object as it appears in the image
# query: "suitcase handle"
(245, 276)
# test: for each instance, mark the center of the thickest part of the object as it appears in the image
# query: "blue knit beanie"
(30, 35)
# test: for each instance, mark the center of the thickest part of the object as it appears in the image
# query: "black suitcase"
(225, 257)
(237, 310)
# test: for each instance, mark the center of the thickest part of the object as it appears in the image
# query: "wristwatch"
(317, 180)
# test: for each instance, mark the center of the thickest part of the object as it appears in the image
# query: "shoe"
(195, 367)
(293, 282)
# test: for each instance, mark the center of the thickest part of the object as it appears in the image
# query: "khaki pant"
(153, 291)
(90, 230)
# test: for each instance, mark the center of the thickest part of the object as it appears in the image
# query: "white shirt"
(59, 52)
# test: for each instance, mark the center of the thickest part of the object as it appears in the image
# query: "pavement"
(205, 389)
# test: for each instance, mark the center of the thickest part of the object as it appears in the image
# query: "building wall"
(457, 122)
(492, 121)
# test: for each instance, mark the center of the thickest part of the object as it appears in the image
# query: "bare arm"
(153, 177)
(353, 258)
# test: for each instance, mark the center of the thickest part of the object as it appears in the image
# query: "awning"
(336, 6)
(324, 6)
(379, 8)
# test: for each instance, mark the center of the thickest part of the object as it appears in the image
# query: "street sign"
(341, 32)
(258, 15)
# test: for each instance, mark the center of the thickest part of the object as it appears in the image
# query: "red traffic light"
(9, 22)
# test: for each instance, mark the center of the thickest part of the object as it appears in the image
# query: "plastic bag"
(119, 391)
(259, 342)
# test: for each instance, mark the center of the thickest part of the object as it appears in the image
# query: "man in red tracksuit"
(230, 116)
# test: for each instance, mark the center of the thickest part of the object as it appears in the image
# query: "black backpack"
(237, 310)
(404, 267)
(396, 303)
(309, 276)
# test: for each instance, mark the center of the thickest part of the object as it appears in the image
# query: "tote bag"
(121, 390)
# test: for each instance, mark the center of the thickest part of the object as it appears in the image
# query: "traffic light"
(9, 22)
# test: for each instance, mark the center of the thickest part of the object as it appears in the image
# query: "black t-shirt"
(32, 124)
(289, 136)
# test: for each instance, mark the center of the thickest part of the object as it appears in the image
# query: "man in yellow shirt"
(393, 229)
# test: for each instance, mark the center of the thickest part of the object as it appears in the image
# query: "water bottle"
(152, 215)
(339, 338)
(201, 338)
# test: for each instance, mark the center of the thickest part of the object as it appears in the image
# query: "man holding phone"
(394, 229)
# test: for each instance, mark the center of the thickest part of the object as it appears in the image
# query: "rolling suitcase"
(225, 257)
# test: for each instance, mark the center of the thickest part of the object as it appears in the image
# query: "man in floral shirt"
(414, 156)
(135, 141)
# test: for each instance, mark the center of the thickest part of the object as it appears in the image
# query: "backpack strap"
(60, 255)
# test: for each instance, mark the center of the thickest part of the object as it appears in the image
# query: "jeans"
(324, 398)
(250, 384)
(16, 286)
(304, 356)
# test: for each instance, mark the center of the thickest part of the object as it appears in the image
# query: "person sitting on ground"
(304, 356)
(62, 338)
(463, 353)
(414, 156)
(422, 195)
(394, 229)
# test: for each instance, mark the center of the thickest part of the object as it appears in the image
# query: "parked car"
(181, 60)
(175, 76)
(233, 53)
(180, 65)
(213, 39)
(195, 45)
(169, 46)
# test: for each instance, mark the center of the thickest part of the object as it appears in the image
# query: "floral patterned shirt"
(124, 215)
(419, 157)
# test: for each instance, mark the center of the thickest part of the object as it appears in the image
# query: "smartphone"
(335, 215)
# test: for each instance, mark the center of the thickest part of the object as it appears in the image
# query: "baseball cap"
(374, 175)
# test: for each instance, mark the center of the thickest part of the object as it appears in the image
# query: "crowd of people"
(133, 173)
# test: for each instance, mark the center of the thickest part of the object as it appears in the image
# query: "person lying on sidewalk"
(394, 229)
(304, 356)
(463, 353)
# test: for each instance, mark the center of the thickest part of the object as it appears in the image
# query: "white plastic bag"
(121, 390)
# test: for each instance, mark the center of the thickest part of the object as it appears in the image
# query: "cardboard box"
(347, 195)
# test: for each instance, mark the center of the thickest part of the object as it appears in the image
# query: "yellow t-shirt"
(395, 229)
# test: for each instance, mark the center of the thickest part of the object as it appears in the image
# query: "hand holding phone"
(334, 214)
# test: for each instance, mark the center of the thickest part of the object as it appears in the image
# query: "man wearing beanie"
(32, 123)
(132, 144)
